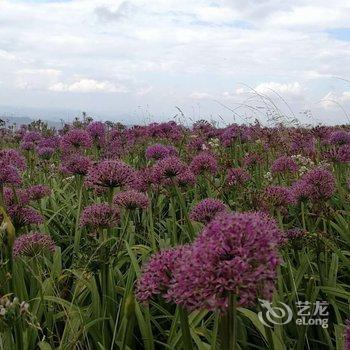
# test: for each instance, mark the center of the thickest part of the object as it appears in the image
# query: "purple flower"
(277, 197)
(187, 178)
(235, 253)
(97, 131)
(13, 158)
(317, 184)
(99, 216)
(24, 216)
(339, 138)
(206, 210)
(284, 164)
(76, 140)
(45, 152)
(37, 192)
(157, 273)
(76, 164)
(159, 151)
(339, 154)
(30, 245)
(294, 233)
(131, 200)
(27, 146)
(9, 175)
(32, 136)
(167, 171)
(112, 173)
(15, 197)
(237, 177)
(347, 335)
(204, 162)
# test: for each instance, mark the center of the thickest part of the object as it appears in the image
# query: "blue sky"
(136, 58)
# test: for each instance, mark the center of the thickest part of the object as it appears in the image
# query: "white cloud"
(200, 95)
(172, 49)
(335, 100)
(285, 89)
(88, 85)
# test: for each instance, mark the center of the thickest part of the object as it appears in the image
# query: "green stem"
(185, 329)
(77, 233)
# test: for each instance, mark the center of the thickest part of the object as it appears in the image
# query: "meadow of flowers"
(166, 237)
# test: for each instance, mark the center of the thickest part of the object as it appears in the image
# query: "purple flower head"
(284, 164)
(206, 210)
(13, 158)
(294, 233)
(237, 177)
(339, 154)
(45, 152)
(50, 142)
(9, 175)
(96, 130)
(18, 197)
(112, 173)
(143, 179)
(76, 164)
(235, 253)
(24, 216)
(187, 178)
(76, 140)
(347, 335)
(30, 245)
(159, 151)
(157, 273)
(167, 171)
(277, 197)
(99, 216)
(204, 162)
(37, 192)
(32, 136)
(229, 135)
(317, 184)
(339, 138)
(27, 146)
(131, 199)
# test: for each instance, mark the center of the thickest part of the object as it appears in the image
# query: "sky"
(139, 61)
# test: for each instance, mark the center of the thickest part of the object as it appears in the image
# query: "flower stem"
(185, 329)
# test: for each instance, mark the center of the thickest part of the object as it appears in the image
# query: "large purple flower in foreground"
(236, 253)
(131, 200)
(99, 216)
(112, 173)
(206, 210)
(30, 245)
